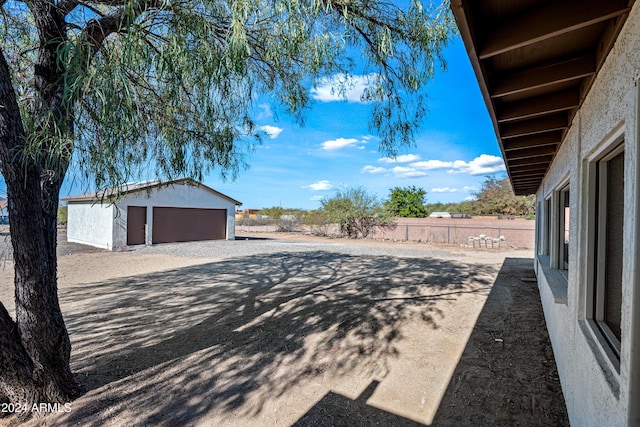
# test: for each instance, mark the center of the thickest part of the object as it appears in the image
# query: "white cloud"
(321, 185)
(373, 169)
(445, 190)
(339, 143)
(464, 189)
(316, 198)
(265, 112)
(404, 172)
(484, 164)
(272, 131)
(405, 158)
(410, 168)
(341, 87)
(431, 165)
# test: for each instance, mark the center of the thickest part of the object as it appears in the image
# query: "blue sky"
(455, 148)
(297, 166)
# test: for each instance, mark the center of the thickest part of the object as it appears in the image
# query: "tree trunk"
(35, 349)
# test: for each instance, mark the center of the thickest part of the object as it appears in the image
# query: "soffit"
(535, 61)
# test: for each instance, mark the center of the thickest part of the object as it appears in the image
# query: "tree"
(274, 212)
(497, 197)
(407, 202)
(357, 212)
(122, 89)
(63, 213)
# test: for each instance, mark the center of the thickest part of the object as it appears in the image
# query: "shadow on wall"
(231, 335)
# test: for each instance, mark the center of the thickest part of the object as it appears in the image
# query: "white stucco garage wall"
(105, 225)
(90, 224)
(595, 393)
(177, 196)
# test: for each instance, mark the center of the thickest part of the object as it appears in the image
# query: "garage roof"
(112, 194)
(535, 61)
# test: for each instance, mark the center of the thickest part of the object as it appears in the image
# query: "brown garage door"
(136, 222)
(188, 225)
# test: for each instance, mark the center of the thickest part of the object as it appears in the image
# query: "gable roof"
(148, 186)
(535, 61)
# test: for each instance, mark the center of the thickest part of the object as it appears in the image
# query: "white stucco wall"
(597, 395)
(177, 196)
(90, 224)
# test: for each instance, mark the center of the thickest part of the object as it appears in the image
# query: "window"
(607, 208)
(564, 216)
(547, 225)
(554, 259)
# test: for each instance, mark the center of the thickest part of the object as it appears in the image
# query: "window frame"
(556, 228)
(596, 264)
(564, 198)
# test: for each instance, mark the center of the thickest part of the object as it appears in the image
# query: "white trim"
(634, 315)
(608, 347)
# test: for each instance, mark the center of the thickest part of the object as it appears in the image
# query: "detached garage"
(151, 212)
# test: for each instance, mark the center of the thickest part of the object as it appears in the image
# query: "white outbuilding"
(151, 212)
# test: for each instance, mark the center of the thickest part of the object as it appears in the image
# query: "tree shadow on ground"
(233, 334)
(505, 377)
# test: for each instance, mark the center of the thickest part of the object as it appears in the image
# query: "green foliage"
(497, 197)
(317, 221)
(461, 207)
(62, 214)
(274, 212)
(168, 88)
(357, 212)
(407, 202)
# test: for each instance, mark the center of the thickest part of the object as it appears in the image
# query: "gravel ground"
(287, 329)
(248, 244)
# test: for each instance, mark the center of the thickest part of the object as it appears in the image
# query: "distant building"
(440, 215)
(4, 212)
(248, 213)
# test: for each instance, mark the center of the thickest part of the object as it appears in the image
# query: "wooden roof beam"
(526, 191)
(533, 107)
(536, 169)
(531, 152)
(547, 21)
(527, 179)
(534, 126)
(535, 140)
(525, 168)
(530, 161)
(546, 75)
(532, 184)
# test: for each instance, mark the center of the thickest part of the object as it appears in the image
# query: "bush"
(356, 212)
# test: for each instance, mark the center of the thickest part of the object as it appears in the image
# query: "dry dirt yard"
(290, 330)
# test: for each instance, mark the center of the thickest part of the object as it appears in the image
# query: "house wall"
(596, 393)
(90, 224)
(177, 195)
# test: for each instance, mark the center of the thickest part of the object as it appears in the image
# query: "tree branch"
(97, 30)
(66, 6)
(11, 126)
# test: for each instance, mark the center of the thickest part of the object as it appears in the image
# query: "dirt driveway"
(306, 333)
